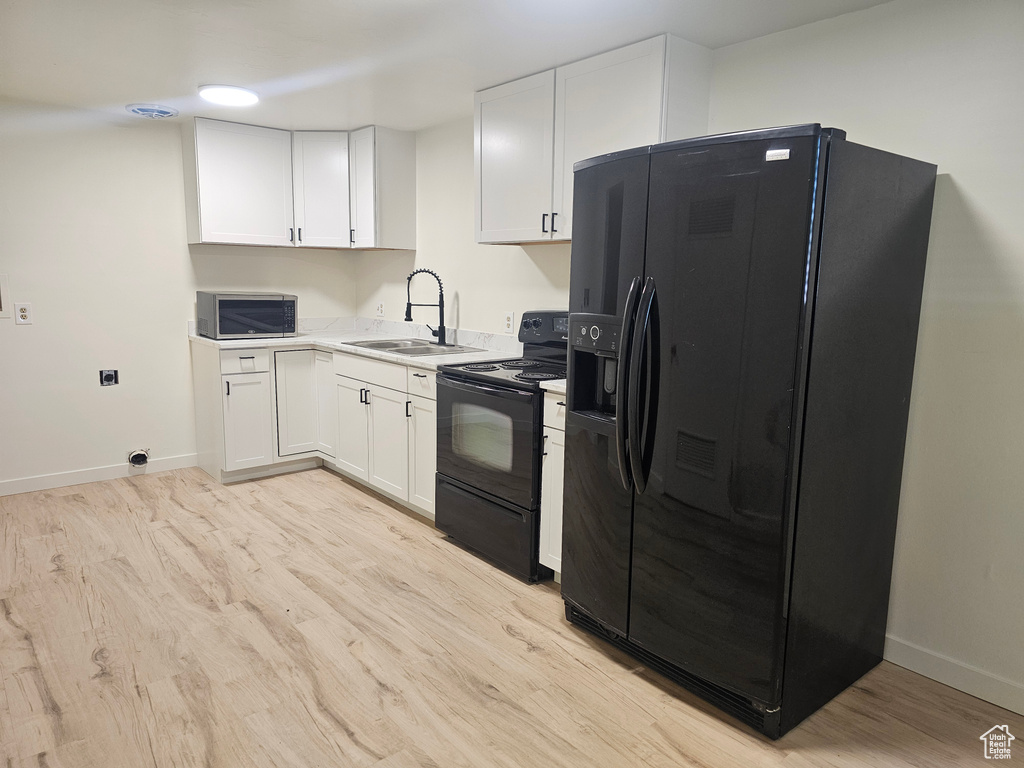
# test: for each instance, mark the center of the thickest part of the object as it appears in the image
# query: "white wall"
(940, 81)
(481, 282)
(92, 233)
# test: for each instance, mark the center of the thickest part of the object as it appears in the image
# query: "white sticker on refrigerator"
(776, 154)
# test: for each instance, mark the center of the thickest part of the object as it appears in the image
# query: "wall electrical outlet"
(380, 309)
(22, 313)
(108, 378)
(510, 322)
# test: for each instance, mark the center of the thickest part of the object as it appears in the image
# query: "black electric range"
(490, 443)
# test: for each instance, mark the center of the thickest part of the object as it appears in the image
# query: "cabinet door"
(320, 173)
(248, 441)
(552, 474)
(326, 403)
(297, 421)
(352, 451)
(513, 144)
(389, 441)
(604, 104)
(363, 187)
(422, 452)
(245, 183)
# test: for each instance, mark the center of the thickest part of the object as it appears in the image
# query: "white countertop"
(338, 334)
(555, 386)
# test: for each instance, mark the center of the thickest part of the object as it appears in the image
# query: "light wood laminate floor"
(165, 620)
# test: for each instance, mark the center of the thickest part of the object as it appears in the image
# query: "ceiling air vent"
(152, 111)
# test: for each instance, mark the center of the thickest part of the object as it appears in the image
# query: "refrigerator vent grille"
(738, 706)
(712, 217)
(696, 454)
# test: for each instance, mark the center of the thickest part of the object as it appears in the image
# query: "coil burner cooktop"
(545, 340)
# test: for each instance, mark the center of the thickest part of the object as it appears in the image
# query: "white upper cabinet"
(530, 133)
(247, 185)
(513, 148)
(382, 188)
(320, 188)
(241, 185)
(602, 104)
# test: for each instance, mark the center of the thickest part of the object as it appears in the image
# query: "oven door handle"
(514, 395)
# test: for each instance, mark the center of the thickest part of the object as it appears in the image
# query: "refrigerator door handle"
(646, 322)
(622, 383)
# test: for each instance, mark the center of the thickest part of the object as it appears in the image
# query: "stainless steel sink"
(411, 347)
(388, 344)
(434, 349)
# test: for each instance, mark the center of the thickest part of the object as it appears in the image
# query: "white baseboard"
(956, 674)
(78, 476)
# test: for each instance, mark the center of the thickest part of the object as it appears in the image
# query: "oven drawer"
(244, 361)
(504, 533)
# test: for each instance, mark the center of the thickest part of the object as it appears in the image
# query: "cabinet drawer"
(244, 361)
(422, 383)
(371, 371)
(554, 410)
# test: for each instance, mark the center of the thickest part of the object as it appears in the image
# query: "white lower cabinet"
(353, 452)
(387, 428)
(389, 440)
(552, 474)
(422, 452)
(552, 478)
(326, 403)
(248, 441)
(296, 401)
(306, 403)
(269, 411)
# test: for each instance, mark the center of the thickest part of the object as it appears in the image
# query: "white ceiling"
(340, 63)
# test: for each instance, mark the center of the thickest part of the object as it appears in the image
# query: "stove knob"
(536, 322)
(526, 324)
(595, 332)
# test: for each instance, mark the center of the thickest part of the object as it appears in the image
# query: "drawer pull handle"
(248, 357)
(420, 375)
(561, 404)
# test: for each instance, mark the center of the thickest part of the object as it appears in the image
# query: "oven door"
(488, 439)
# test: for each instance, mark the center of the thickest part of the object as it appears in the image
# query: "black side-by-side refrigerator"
(744, 314)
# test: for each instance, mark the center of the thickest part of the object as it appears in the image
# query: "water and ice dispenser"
(593, 361)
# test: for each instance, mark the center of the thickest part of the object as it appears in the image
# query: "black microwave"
(241, 315)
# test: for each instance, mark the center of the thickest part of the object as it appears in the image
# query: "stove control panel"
(544, 326)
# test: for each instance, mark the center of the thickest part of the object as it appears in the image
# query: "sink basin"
(412, 347)
(389, 344)
(434, 349)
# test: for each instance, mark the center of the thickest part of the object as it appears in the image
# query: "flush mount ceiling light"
(152, 111)
(228, 95)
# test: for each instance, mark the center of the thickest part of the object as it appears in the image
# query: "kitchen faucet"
(440, 332)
